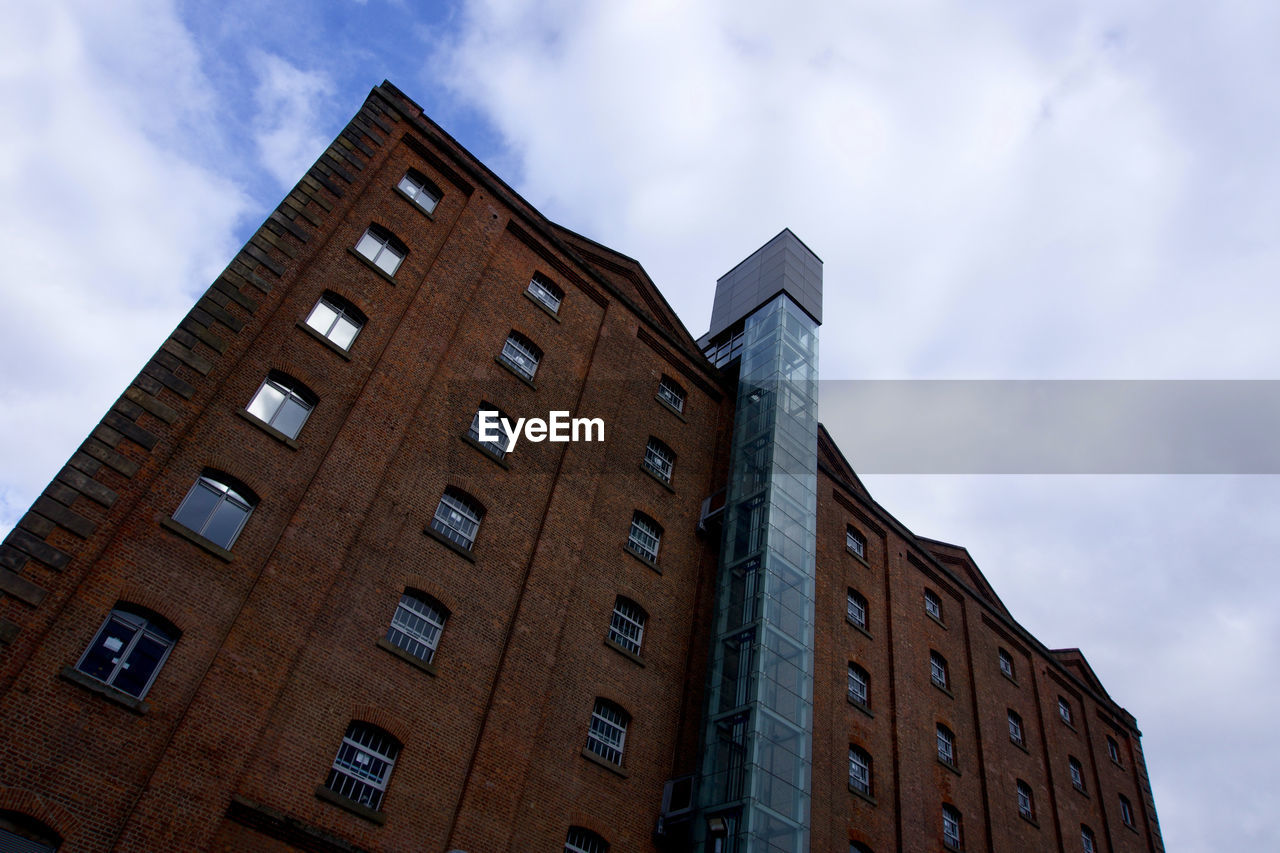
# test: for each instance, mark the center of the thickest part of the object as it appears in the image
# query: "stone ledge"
(350, 805)
(449, 543)
(196, 539)
(412, 660)
(106, 691)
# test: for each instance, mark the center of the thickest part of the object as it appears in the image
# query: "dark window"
(458, 517)
(1015, 728)
(1126, 810)
(857, 609)
(1077, 773)
(417, 624)
(859, 686)
(645, 536)
(1026, 805)
(21, 833)
(933, 604)
(1006, 663)
(216, 508)
(952, 829)
(521, 354)
(545, 291)
(1113, 749)
(670, 392)
(859, 770)
(1087, 842)
(582, 840)
(608, 732)
(855, 542)
(1064, 710)
(500, 445)
(938, 669)
(363, 765)
(946, 745)
(129, 650)
(659, 459)
(626, 626)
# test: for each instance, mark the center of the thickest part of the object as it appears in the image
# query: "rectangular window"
(938, 669)
(1113, 749)
(1077, 774)
(1126, 811)
(1064, 710)
(1006, 663)
(857, 609)
(1015, 728)
(859, 771)
(858, 679)
(946, 746)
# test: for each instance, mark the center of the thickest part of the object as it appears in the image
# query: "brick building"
(286, 595)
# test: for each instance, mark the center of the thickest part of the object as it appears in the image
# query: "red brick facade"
(281, 637)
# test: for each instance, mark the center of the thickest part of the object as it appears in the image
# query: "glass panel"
(290, 417)
(322, 317)
(369, 246)
(225, 524)
(343, 332)
(108, 648)
(389, 260)
(136, 671)
(267, 402)
(197, 507)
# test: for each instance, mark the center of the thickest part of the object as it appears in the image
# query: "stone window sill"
(449, 543)
(648, 471)
(322, 339)
(954, 769)
(371, 265)
(1030, 820)
(536, 301)
(350, 805)
(412, 660)
(1020, 745)
(862, 795)
(517, 374)
(196, 539)
(672, 409)
(943, 689)
(106, 691)
(268, 429)
(650, 563)
(1011, 678)
(859, 628)
(856, 556)
(404, 195)
(607, 765)
(861, 707)
(936, 619)
(625, 652)
(487, 453)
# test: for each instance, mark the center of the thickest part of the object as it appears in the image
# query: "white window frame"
(1026, 801)
(659, 459)
(1077, 773)
(1064, 711)
(546, 292)
(417, 625)
(1113, 749)
(457, 519)
(224, 495)
(645, 537)
(607, 735)
(1126, 810)
(1015, 727)
(376, 245)
(855, 542)
(142, 628)
(362, 767)
(856, 609)
(860, 770)
(422, 192)
(626, 625)
(671, 393)
(1006, 663)
(946, 746)
(521, 355)
(952, 827)
(581, 840)
(343, 314)
(938, 670)
(1088, 843)
(933, 604)
(859, 685)
(290, 399)
(500, 446)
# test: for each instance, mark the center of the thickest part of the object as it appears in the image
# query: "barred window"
(608, 731)
(659, 459)
(1064, 710)
(582, 840)
(938, 669)
(1126, 810)
(521, 354)
(946, 745)
(951, 828)
(1077, 773)
(1026, 806)
(420, 190)
(670, 392)
(1015, 727)
(1006, 663)
(216, 508)
(417, 625)
(458, 517)
(499, 446)
(855, 541)
(1087, 842)
(129, 650)
(857, 609)
(645, 537)
(22, 833)
(282, 403)
(626, 627)
(545, 291)
(336, 319)
(859, 680)
(363, 765)
(933, 604)
(382, 249)
(859, 770)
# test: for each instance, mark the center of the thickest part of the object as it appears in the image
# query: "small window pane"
(369, 246)
(336, 320)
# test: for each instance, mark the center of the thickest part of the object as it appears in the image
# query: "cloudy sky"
(999, 190)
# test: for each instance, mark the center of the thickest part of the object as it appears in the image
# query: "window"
(417, 624)
(382, 249)
(858, 847)
(545, 291)
(129, 650)
(1077, 773)
(1126, 810)
(951, 828)
(499, 446)
(1015, 728)
(21, 833)
(670, 392)
(626, 627)
(215, 509)
(659, 459)
(857, 609)
(645, 537)
(1113, 749)
(521, 354)
(282, 403)
(336, 319)
(859, 770)
(938, 669)
(855, 542)
(584, 841)
(417, 187)
(1006, 663)
(608, 731)
(458, 517)
(858, 686)
(1087, 842)
(946, 746)
(363, 765)
(1026, 806)
(933, 604)
(1064, 710)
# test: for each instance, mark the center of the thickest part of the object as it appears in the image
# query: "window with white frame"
(1126, 810)
(855, 542)
(216, 508)
(1088, 844)
(952, 828)
(1064, 710)
(1015, 728)
(938, 669)
(545, 291)
(608, 732)
(946, 745)
(933, 604)
(1026, 805)
(670, 392)
(337, 320)
(363, 765)
(381, 248)
(645, 536)
(1077, 773)
(521, 354)
(417, 624)
(1006, 663)
(458, 517)
(500, 445)
(582, 840)
(659, 459)
(626, 626)
(129, 650)
(1113, 749)
(856, 609)
(282, 403)
(859, 770)
(859, 685)
(420, 190)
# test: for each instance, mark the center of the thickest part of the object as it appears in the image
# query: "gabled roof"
(1074, 660)
(961, 562)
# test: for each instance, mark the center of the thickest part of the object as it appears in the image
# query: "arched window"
(626, 627)
(946, 746)
(521, 354)
(337, 320)
(1087, 842)
(1006, 663)
(129, 649)
(659, 459)
(1026, 805)
(859, 686)
(933, 604)
(216, 508)
(938, 669)
(502, 443)
(859, 770)
(671, 393)
(952, 827)
(21, 833)
(382, 249)
(420, 190)
(857, 609)
(1015, 728)
(417, 624)
(546, 292)
(363, 765)
(1077, 773)
(858, 847)
(608, 733)
(582, 840)
(458, 517)
(282, 403)
(855, 542)
(645, 537)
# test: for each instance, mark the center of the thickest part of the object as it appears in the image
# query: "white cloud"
(108, 233)
(288, 120)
